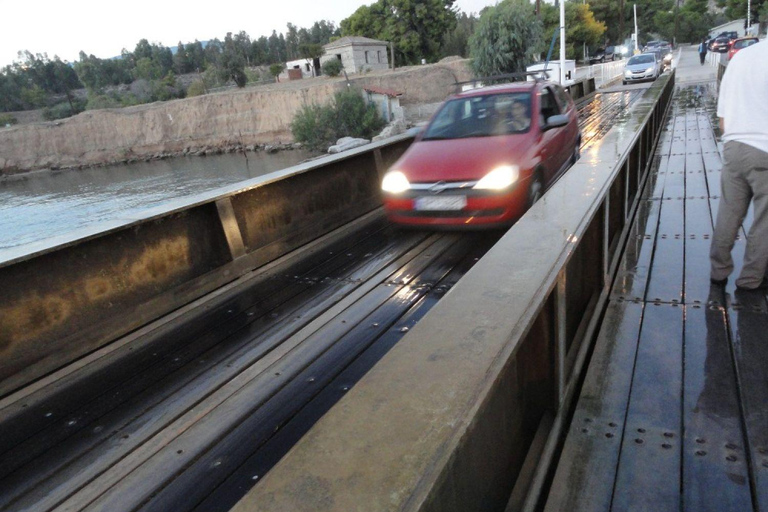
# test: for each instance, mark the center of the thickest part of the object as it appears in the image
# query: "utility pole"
(637, 42)
(749, 15)
(562, 42)
(677, 21)
(621, 22)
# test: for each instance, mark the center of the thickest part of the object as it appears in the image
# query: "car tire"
(623, 82)
(576, 152)
(536, 190)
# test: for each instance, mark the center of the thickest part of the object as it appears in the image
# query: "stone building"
(357, 54)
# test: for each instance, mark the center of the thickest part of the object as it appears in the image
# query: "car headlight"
(499, 178)
(627, 73)
(650, 69)
(395, 182)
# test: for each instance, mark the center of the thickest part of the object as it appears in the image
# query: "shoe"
(718, 282)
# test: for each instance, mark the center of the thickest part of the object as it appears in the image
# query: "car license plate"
(441, 203)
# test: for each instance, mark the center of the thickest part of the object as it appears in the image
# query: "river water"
(40, 206)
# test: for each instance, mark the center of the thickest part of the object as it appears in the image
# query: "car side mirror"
(556, 121)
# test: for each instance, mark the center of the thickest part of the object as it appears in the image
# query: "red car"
(740, 44)
(486, 156)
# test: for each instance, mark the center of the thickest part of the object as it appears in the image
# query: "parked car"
(603, 55)
(729, 34)
(486, 156)
(719, 44)
(740, 44)
(639, 68)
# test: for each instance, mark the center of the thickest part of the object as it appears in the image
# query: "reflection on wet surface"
(42, 205)
(680, 367)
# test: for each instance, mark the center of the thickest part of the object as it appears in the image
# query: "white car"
(639, 68)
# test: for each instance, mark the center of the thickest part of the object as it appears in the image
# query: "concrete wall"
(249, 116)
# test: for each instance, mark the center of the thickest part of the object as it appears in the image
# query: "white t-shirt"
(743, 99)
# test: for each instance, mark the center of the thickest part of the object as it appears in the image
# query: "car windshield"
(744, 43)
(641, 59)
(482, 116)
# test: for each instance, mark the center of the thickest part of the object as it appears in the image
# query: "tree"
(581, 27)
(346, 116)
(181, 60)
(310, 52)
(505, 39)
(232, 63)
(275, 70)
(416, 27)
(292, 42)
(456, 42)
(735, 9)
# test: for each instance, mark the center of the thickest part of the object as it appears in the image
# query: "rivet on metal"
(641, 430)
(609, 435)
(700, 440)
(587, 420)
(345, 388)
(669, 434)
(255, 477)
(584, 430)
(639, 441)
(731, 446)
(666, 446)
(404, 329)
(701, 453)
(612, 424)
(375, 324)
(48, 414)
(731, 458)
(179, 451)
(217, 463)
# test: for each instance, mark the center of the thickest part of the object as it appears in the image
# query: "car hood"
(470, 159)
(639, 67)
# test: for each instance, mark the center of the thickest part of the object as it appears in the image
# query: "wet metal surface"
(672, 414)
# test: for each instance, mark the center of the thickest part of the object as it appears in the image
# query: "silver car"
(645, 66)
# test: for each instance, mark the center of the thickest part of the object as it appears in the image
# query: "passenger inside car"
(511, 115)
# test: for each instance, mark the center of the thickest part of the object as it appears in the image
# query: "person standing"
(703, 50)
(742, 107)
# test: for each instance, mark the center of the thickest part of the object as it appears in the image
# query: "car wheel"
(623, 82)
(576, 152)
(536, 190)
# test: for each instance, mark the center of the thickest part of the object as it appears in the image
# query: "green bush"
(62, 110)
(320, 126)
(97, 101)
(196, 88)
(332, 67)
(7, 119)
(276, 69)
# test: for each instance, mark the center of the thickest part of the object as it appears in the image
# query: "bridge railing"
(458, 414)
(602, 73)
(71, 297)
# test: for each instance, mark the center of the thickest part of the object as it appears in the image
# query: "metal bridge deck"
(672, 414)
(191, 414)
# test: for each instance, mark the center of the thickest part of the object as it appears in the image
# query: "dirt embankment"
(211, 123)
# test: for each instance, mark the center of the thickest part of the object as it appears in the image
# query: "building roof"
(354, 40)
(381, 90)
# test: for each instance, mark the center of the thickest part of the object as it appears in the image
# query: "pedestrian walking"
(703, 50)
(742, 107)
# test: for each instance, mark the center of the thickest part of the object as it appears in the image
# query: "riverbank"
(251, 119)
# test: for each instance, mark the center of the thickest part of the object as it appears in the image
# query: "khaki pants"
(744, 178)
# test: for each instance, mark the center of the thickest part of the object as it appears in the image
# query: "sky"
(104, 28)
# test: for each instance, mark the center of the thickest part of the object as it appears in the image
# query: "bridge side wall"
(445, 421)
(69, 300)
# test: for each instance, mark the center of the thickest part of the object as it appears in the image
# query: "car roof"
(500, 88)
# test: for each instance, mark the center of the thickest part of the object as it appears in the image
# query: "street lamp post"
(562, 42)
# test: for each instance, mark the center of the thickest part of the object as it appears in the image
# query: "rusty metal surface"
(68, 299)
